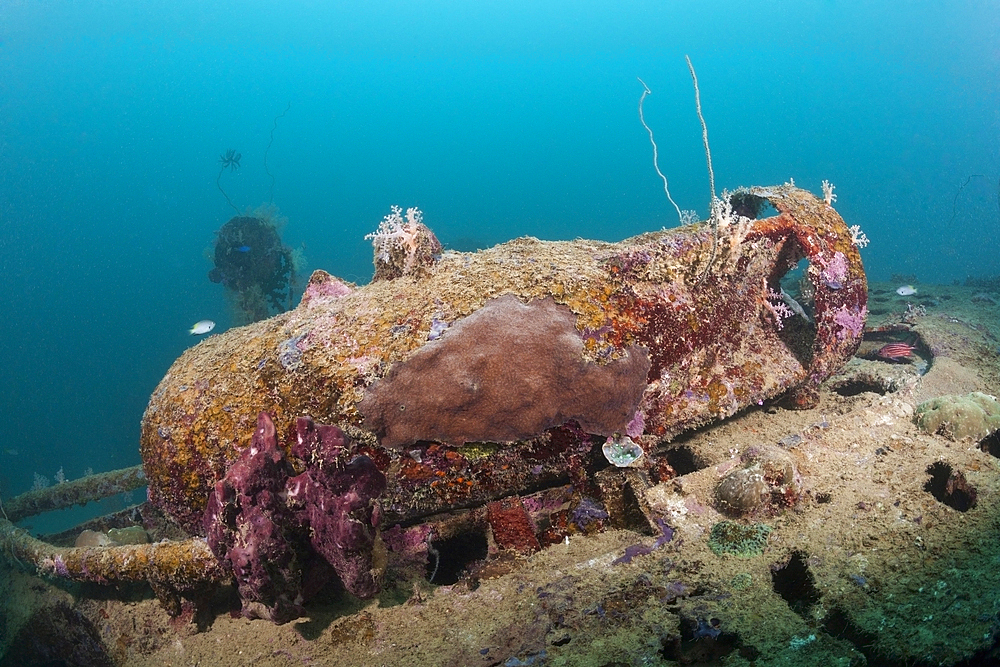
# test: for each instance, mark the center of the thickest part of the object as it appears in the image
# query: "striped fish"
(895, 351)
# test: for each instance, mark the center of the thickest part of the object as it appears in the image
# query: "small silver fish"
(906, 290)
(202, 327)
(794, 305)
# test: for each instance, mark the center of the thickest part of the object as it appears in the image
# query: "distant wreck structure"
(327, 441)
(254, 265)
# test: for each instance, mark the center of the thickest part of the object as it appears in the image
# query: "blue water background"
(497, 119)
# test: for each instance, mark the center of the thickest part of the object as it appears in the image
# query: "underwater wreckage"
(337, 440)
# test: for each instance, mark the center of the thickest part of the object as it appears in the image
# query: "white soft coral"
(404, 246)
(396, 232)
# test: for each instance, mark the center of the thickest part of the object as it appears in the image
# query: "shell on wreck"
(767, 482)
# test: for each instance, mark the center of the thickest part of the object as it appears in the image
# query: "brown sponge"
(506, 372)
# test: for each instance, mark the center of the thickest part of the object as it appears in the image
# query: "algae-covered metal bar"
(74, 492)
(172, 568)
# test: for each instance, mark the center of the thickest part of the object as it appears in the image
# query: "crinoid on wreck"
(230, 159)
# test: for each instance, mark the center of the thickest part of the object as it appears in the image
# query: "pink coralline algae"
(323, 285)
(637, 426)
(834, 274)
(851, 321)
(277, 532)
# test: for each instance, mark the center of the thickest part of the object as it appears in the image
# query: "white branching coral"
(689, 217)
(403, 245)
(396, 232)
(776, 306)
(858, 237)
(729, 224)
(722, 211)
(828, 195)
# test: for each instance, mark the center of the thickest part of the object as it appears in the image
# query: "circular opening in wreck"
(798, 295)
(789, 293)
(792, 300)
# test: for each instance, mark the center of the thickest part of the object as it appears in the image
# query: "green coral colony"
(731, 538)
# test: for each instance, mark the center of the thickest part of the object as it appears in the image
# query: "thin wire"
(704, 127)
(270, 198)
(218, 184)
(954, 204)
(714, 206)
(647, 91)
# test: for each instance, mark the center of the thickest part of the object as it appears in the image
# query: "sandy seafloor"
(883, 562)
